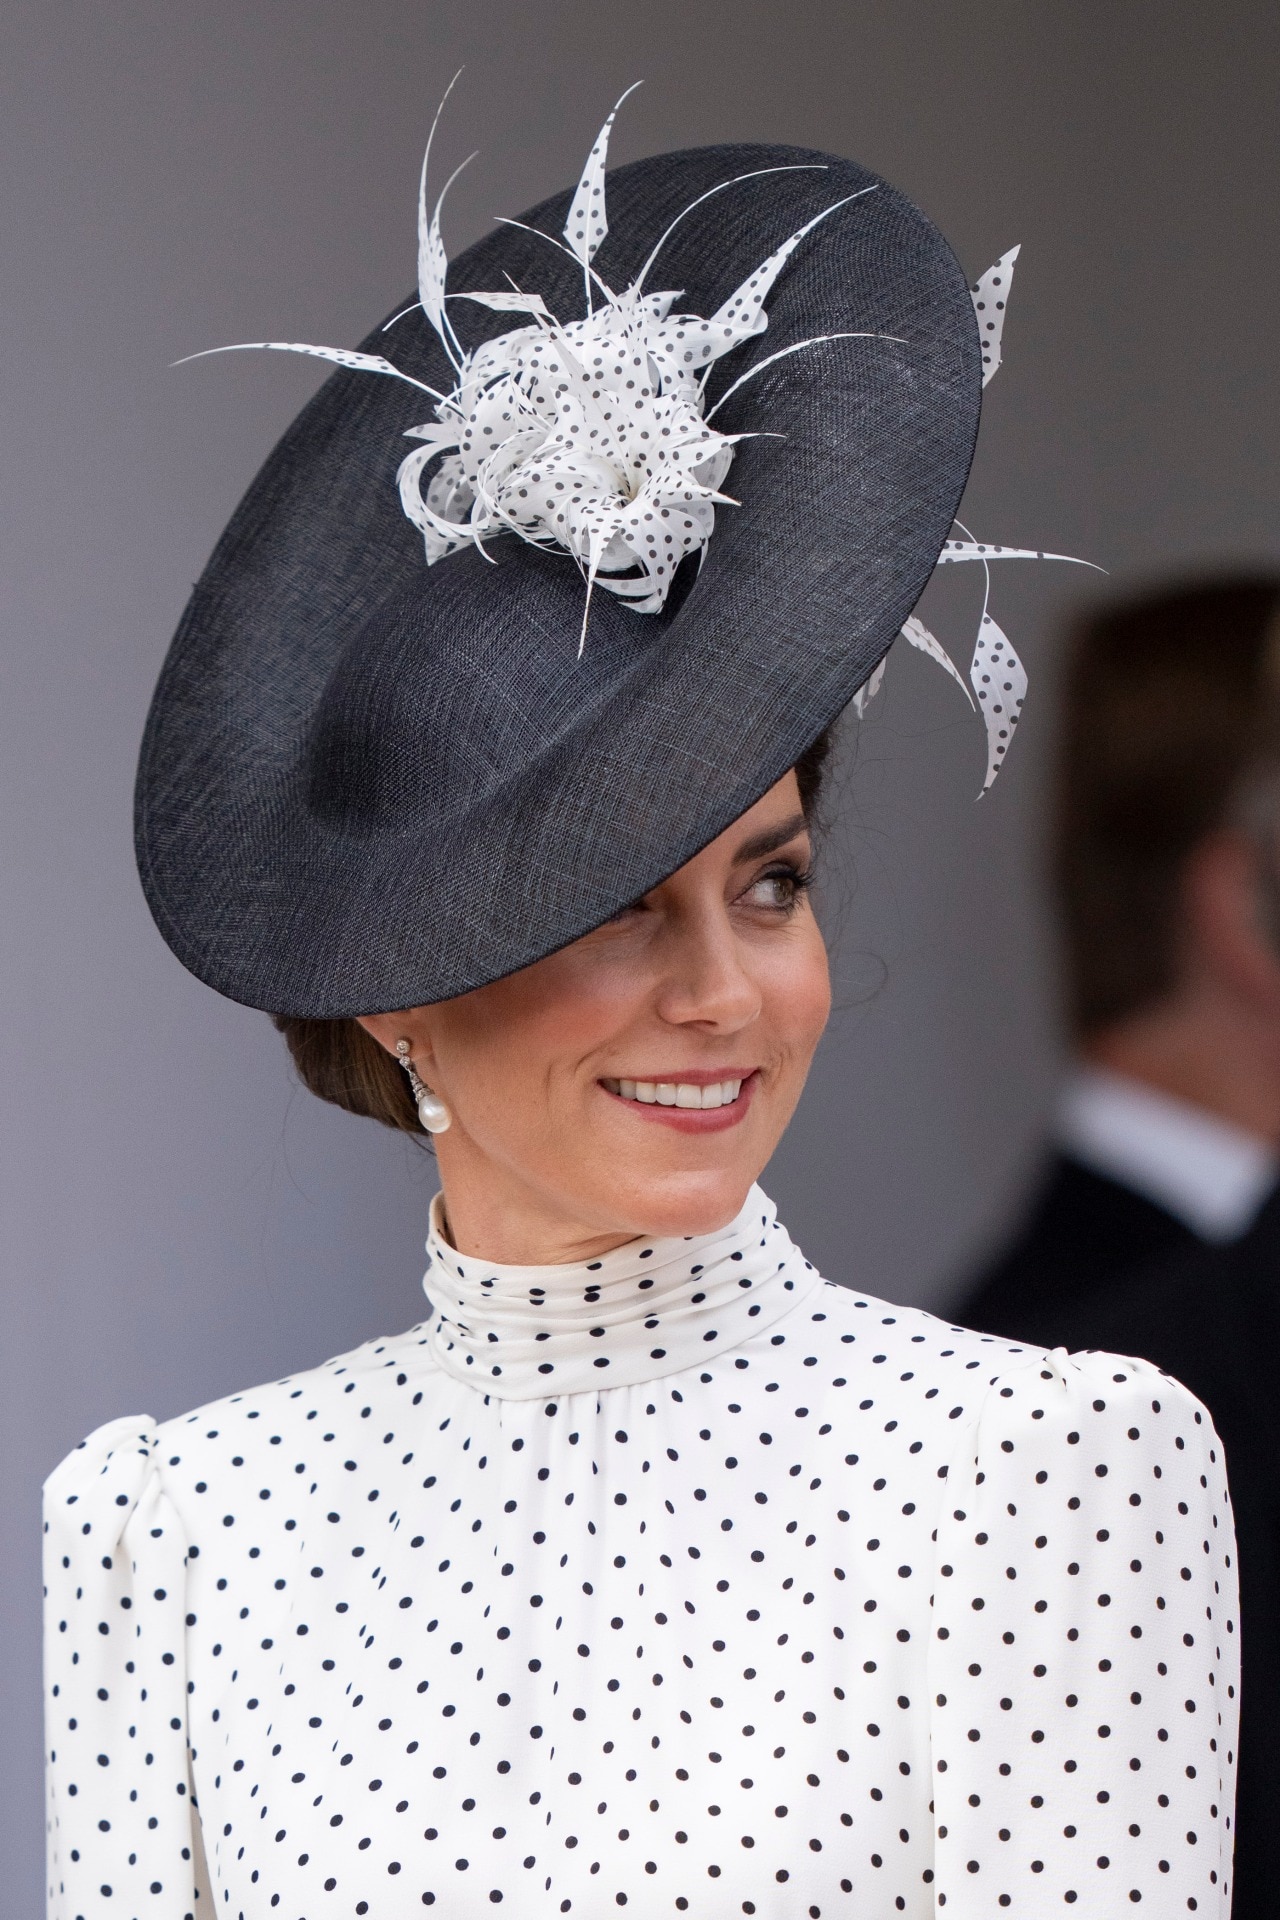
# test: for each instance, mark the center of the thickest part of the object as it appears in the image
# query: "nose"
(706, 979)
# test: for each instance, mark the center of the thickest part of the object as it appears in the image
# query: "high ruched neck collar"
(649, 1308)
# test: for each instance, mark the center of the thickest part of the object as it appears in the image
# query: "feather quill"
(954, 550)
(338, 356)
(432, 264)
(916, 634)
(990, 299)
(588, 223)
(869, 689)
(1000, 682)
(592, 436)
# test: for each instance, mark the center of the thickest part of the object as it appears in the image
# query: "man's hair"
(1171, 709)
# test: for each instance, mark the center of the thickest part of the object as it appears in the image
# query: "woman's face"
(637, 1081)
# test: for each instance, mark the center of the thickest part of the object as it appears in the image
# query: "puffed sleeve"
(1084, 1665)
(123, 1834)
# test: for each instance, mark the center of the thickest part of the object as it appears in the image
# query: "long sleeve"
(123, 1833)
(1084, 1666)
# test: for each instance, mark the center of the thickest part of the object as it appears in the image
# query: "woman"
(652, 1569)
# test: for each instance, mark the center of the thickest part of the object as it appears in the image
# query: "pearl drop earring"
(432, 1111)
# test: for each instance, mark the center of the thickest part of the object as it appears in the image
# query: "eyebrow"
(771, 839)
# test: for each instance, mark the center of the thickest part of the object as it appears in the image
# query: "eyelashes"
(790, 879)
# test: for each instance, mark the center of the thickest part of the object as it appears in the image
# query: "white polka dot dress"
(680, 1581)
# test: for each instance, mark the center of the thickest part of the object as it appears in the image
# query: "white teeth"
(679, 1093)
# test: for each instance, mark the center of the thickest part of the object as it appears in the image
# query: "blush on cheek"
(513, 1048)
(797, 993)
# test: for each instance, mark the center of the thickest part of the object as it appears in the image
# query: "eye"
(778, 890)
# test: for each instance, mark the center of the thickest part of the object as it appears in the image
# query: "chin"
(674, 1205)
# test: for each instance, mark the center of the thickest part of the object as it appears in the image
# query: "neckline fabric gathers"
(648, 1309)
(851, 1613)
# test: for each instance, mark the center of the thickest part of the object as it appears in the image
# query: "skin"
(720, 972)
(1214, 1039)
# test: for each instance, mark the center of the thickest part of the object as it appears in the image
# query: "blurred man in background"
(1166, 862)
(1156, 1230)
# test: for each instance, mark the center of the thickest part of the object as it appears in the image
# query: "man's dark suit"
(1082, 1234)
(1211, 1317)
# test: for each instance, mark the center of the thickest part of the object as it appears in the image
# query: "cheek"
(509, 1048)
(797, 992)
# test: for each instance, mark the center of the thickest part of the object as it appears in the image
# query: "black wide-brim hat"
(367, 785)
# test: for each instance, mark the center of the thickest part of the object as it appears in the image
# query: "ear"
(388, 1029)
(1225, 915)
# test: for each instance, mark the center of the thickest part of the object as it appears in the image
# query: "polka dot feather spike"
(593, 435)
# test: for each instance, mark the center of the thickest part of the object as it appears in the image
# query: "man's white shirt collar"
(1209, 1174)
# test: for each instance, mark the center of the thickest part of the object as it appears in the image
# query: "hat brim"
(367, 785)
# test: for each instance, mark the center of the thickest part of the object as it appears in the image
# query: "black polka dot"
(838, 1604)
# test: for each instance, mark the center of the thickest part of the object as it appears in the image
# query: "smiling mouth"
(678, 1093)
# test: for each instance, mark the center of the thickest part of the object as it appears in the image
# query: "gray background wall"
(177, 1219)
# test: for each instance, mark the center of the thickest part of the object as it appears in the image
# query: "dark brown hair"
(338, 1061)
(1171, 703)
